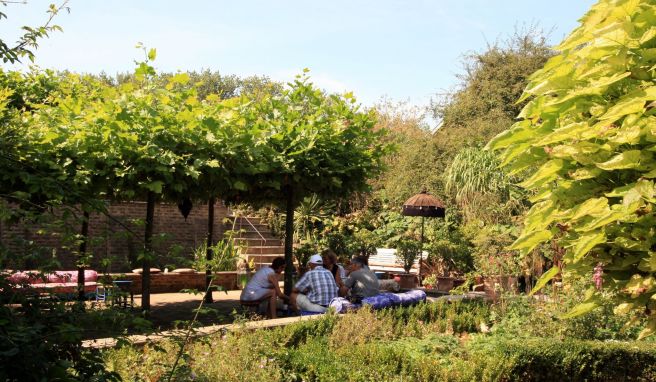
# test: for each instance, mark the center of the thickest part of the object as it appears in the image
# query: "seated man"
(361, 281)
(314, 291)
(263, 286)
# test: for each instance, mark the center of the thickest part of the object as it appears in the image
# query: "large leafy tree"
(306, 142)
(484, 104)
(589, 133)
(66, 143)
(154, 137)
(411, 167)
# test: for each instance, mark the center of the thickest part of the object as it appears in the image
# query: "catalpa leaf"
(591, 207)
(585, 243)
(520, 132)
(544, 279)
(631, 103)
(605, 219)
(580, 309)
(528, 241)
(626, 160)
(544, 174)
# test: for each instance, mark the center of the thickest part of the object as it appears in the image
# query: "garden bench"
(385, 260)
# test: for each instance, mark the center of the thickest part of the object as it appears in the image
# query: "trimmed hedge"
(544, 359)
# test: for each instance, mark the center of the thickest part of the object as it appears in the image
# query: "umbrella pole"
(421, 249)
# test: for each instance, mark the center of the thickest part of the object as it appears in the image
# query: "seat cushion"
(183, 270)
(152, 270)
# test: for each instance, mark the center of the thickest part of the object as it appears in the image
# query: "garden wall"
(114, 248)
(174, 282)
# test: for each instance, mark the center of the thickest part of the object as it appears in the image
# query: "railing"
(263, 240)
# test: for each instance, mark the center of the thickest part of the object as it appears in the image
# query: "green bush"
(41, 338)
(545, 359)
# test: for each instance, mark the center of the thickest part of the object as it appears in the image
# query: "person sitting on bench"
(263, 286)
(315, 289)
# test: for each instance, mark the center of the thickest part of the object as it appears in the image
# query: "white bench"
(385, 260)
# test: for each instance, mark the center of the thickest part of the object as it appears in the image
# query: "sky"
(406, 51)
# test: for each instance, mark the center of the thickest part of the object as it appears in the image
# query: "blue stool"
(102, 293)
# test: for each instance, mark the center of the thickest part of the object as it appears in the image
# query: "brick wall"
(114, 248)
(174, 282)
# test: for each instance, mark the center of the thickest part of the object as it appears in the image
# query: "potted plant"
(499, 266)
(449, 255)
(430, 281)
(407, 251)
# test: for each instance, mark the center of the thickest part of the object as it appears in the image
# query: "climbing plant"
(588, 133)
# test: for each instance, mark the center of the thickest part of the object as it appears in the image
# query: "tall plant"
(588, 135)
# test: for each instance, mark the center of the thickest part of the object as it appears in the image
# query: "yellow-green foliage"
(588, 134)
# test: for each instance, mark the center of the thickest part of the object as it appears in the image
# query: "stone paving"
(167, 308)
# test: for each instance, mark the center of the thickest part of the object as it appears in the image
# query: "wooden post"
(289, 240)
(208, 255)
(148, 252)
(83, 251)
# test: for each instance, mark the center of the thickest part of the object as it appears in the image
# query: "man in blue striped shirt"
(314, 291)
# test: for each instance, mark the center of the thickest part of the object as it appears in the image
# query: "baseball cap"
(315, 259)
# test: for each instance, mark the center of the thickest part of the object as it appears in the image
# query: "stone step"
(253, 242)
(253, 220)
(249, 228)
(255, 235)
(264, 250)
(260, 261)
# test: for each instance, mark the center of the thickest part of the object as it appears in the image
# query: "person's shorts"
(255, 295)
(305, 304)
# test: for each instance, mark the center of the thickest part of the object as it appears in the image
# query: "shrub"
(546, 359)
(40, 339)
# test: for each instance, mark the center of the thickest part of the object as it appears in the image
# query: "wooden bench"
(385, 260)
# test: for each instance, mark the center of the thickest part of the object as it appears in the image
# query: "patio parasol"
(425, 205)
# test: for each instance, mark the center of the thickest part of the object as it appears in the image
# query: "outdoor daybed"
(380, 301)
(58, 282)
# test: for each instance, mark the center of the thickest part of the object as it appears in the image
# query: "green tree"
(307, 143)
(410, 168)
(587, 134)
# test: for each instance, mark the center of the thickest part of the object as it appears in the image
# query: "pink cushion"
(90, 275)
(55, 277)
(61, 277)
(30, 277)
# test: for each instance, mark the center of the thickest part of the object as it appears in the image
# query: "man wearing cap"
(314, 291)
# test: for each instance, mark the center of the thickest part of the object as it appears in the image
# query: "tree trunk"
(83, 251)
(289, 241)
(148, 252)
(210, 243)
